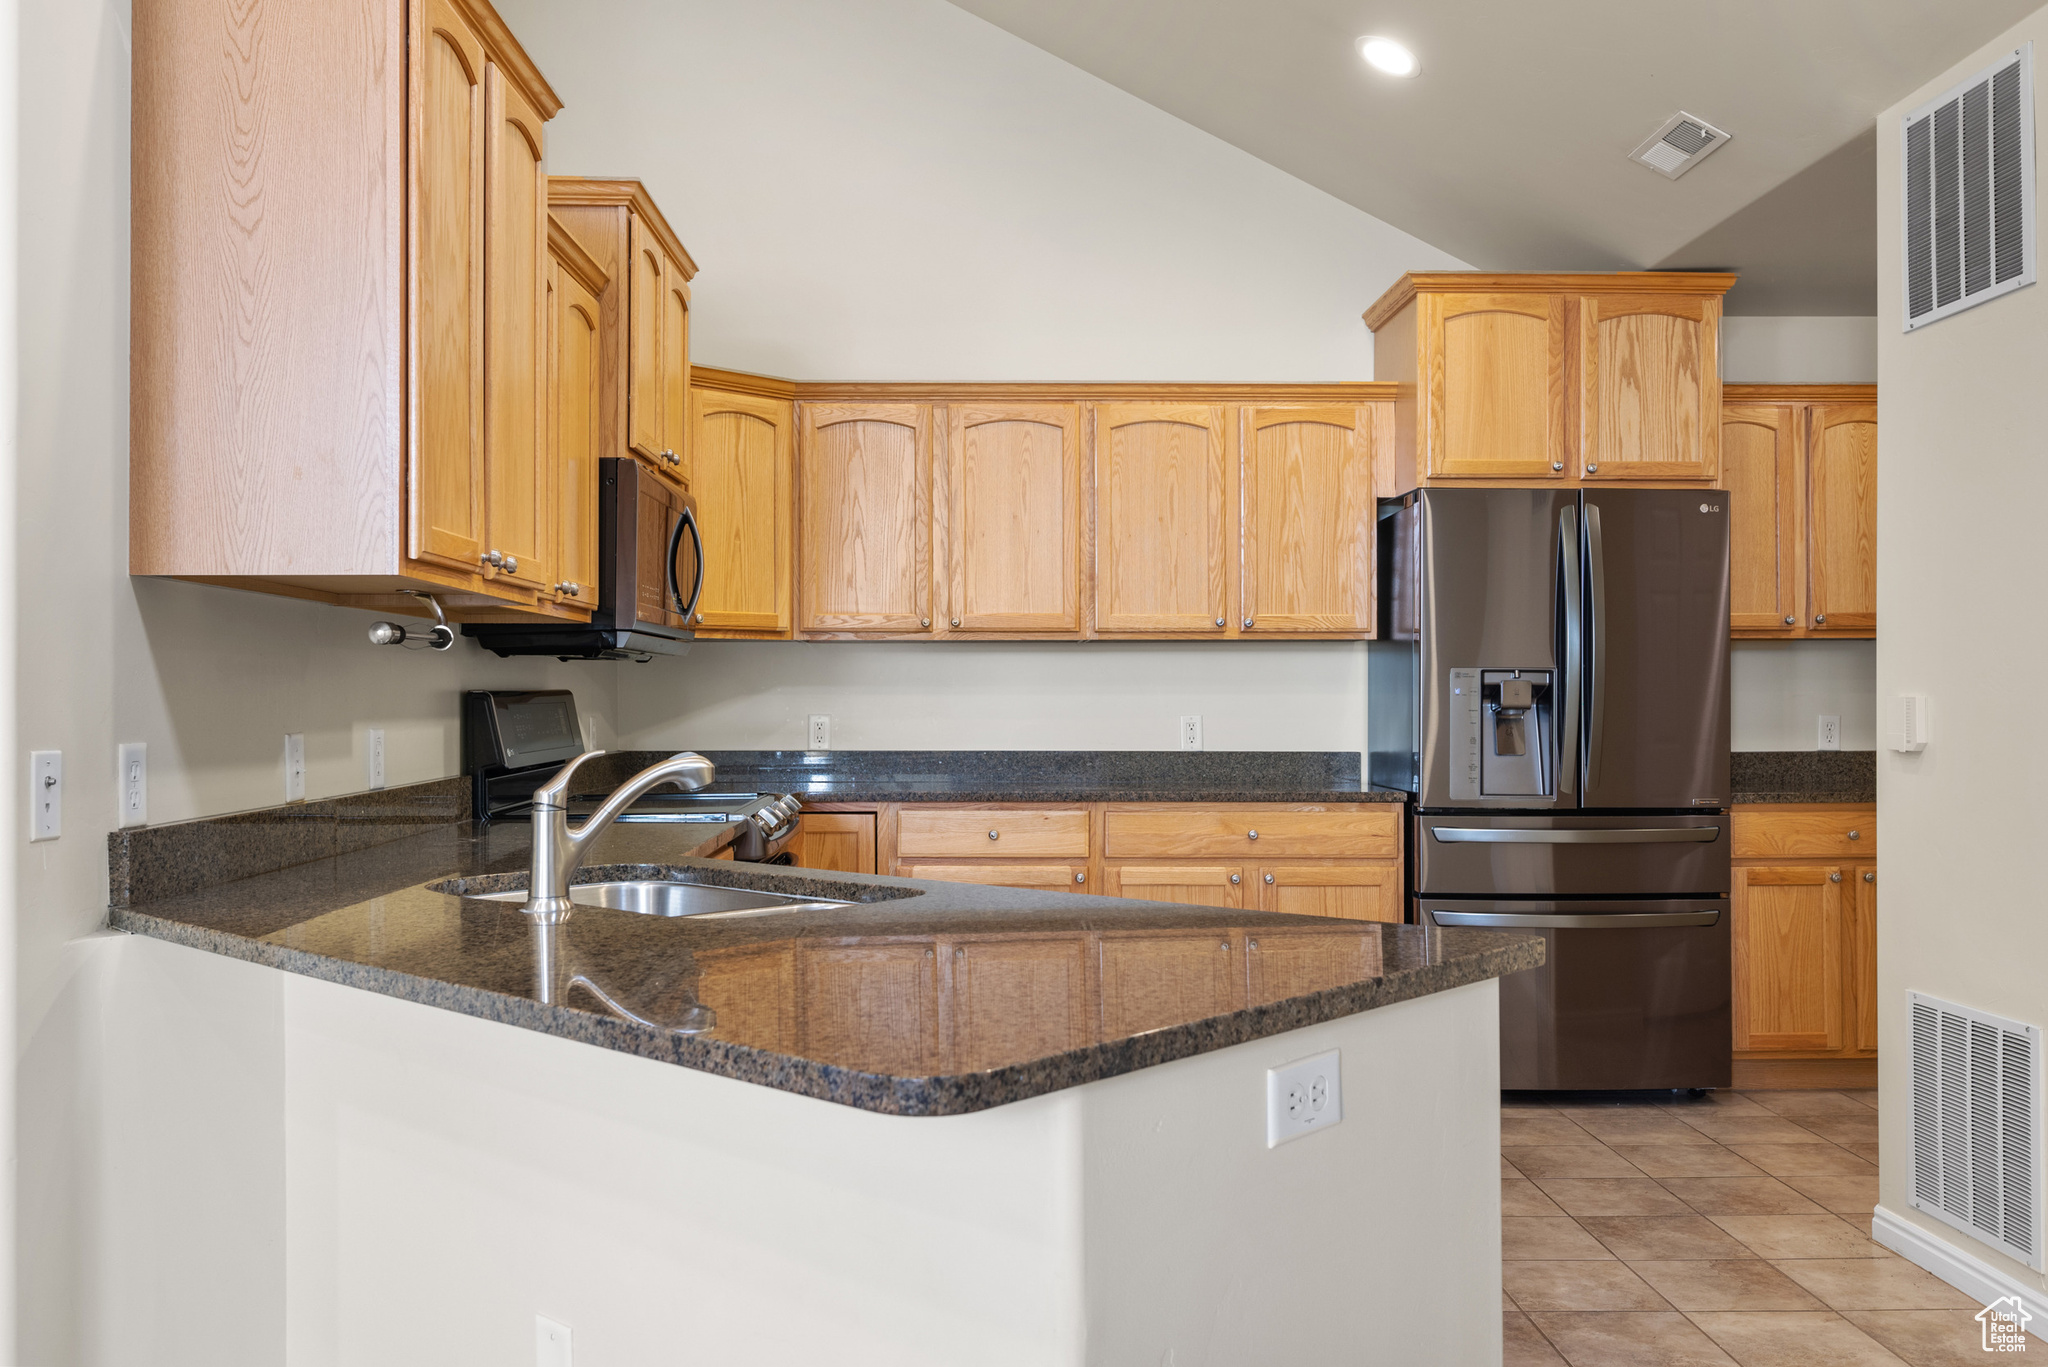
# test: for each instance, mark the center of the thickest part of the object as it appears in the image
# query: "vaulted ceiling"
(1510, 149)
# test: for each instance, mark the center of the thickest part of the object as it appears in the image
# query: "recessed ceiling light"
(1384, 54)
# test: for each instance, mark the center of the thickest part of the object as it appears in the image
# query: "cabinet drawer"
(1037, 877)
(981, 832)
(1804, 833)
(1359, 831)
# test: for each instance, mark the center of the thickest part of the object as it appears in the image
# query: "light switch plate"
(550, 1343)
(45, 794)
(132, 784)
(1913, 724)
(1302, 1098)
(373, 756)
(295, 767)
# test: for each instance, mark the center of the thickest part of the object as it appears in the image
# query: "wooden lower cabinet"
(870, 1005)
(1202, 885)
(1152, 979)
(840, 841)
(1039, 877)
(753, 990)
(1010, 1000)
(1804, 937)
(1352, 892)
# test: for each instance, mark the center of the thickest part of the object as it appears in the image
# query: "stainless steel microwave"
(650, 576)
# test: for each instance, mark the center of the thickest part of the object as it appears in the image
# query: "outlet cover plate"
(821, 732)
(45, 794)
(550, 1343)
(132, 785)
(295, 766)
(1191, 731)
(1830, 733)
(1303, 1097)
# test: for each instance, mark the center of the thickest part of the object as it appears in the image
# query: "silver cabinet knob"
(1219, 621)
(1820, 619)
(1269, 878)
(1557, 465)
(1251, 944)
(493, 558)
(924, 621)
(1592, 467)
(1790, 620)
(1834, 877)
(1235, 878)
(569, 587)
(511, 564)
(1080, 878)
(1869, 876)
(698, 619)
(956, 623)
(1247, 624)
(1225, 946)
(994, 835)
(1855, 835)
(1251, 835)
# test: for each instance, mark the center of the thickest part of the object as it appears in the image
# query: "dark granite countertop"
(879, 776)
(1137, 983)
(1762, 776)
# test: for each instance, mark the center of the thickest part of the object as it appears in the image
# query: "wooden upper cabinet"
(1760, 468)
(646, 430)
(575, 311)
(1309, 517)
(447, 466)
(1650, 388)
(1162, 518)
(675, 370)
(1788, 943)
(742, 454)
(1015, 525)
(1842, 506)
(864, 524)
(518, 475)
(1495, 382)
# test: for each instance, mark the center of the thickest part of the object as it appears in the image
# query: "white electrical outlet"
(821, 732)
(1191, 732)
(295, 767)
(45, 794)
(1303, 1097)
(373, 756)
(550, 1343)
(133, 784)
(1830, 733)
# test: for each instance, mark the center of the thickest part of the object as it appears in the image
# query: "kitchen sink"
(658, 897)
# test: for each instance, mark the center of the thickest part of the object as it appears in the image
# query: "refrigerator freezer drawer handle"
(1655, 835)
(1660, 920)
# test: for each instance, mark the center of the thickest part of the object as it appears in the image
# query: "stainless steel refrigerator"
(1550, 682)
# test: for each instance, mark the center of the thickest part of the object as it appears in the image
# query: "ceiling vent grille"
(1681, 144)
(1969, 186)
(1976, 1124)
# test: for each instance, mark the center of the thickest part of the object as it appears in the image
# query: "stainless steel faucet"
(558, 851)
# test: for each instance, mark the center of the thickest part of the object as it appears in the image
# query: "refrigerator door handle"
(1596, 633)
(1619, 835)
(1655, 920)
(1568, 660)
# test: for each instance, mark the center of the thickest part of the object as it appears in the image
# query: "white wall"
(1779, 690)
(1963, 475)
(1794, 350)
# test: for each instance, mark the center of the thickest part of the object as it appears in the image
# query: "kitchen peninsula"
(1051, 1110)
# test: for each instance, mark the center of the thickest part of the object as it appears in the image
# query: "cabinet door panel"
(1358, 830)
(1292, 963)
(675, 369)
(977, 832)
(1496, 385)
(517, 478)
(740, 479)
(1353, 892)
(1650, 405)
(1015, 531)
(844, 841)
(874, 1007)
(446, 482)
(1201, 885)
(1862, 974)
(1150, 981)
(646, 290)
(1842, 496)
(865, 527)
(1013, 1001)
(1309, 519)
(1788, 958)
(1161, 518)
(1760, 451)
(578, 396)
(753, 990)
(1037, 877)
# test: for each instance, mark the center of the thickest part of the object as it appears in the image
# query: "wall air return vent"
(1977, 1124)
(1681, 144)
(1969, 186)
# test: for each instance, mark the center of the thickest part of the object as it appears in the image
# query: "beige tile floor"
(1729, 1231)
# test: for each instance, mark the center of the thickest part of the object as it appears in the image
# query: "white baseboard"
(1964, 1271)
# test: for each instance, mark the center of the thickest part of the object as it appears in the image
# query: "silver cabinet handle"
(1835, 877)
(570, 587)
(1235, 878)
(1080, 878)
(1269, 878)
(924, 621)
(956, 623)
(1251, 835)
(1626, 835)
(1225, 946)
(1247, 624)
(492, 558)
(1855, 835)
(511, 564)
(1557, 465)
(1820, 619)
(993, 835)
(1622, 920)
(1592, 468)
(698, 618)
(1790, 620)
(1219, 621)
(1869, 876)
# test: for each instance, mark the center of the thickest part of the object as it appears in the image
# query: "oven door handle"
(1620, 920)
(686, 606)
(1619, 835)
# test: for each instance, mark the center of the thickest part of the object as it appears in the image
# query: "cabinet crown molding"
(505, 49)
(630, 194)
(1799, 393)
(571, 253)
(1712, 283)
(1000, 392)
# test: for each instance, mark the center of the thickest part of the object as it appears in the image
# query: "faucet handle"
(554, 794)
